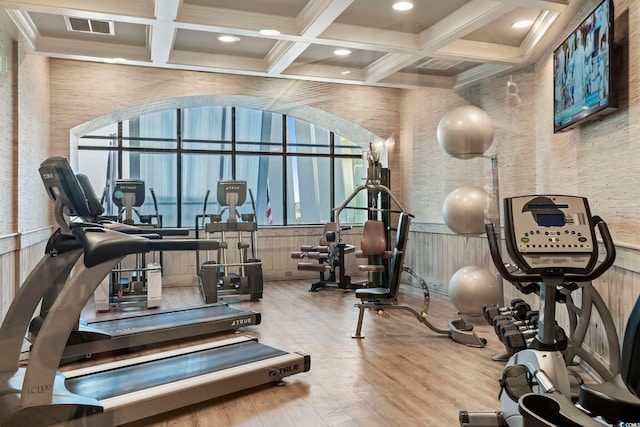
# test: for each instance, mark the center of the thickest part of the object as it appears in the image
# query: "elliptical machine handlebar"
(596, 272)
(155, 207)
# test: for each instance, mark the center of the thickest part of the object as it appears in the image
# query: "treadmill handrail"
(101, 244)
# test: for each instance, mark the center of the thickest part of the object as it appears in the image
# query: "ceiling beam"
(388, 65)
(551, 5)
(469, 50)
(478, 73)
(91, 49)
(316, 17)
(540, 28)
(25, 26)
(463, 21)
(162, 34)
(283, 54)
(139, 11)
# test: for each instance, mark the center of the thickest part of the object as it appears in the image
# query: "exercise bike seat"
(612, 400)
(552, 410)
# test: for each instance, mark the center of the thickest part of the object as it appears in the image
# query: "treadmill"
(107, 334)
(123, 391)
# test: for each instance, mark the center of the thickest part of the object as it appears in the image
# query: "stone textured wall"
(8, 130)
(82, 91)
(24, 143)
(33, 140)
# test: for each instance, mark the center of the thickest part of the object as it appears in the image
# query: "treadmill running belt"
(119, 381)
(165, 319)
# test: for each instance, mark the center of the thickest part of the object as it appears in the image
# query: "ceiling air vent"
(438, 64)
(94, 26)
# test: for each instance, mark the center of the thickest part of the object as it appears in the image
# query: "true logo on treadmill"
(240, 322)
(47, 176)
(276, 372)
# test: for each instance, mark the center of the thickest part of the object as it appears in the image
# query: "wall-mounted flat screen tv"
(582, 73)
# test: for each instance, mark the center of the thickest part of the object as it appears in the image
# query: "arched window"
(294, 169)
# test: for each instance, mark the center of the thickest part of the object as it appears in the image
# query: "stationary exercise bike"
(552, 240)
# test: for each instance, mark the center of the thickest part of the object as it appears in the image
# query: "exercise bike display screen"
(550, 220)
(545, 232)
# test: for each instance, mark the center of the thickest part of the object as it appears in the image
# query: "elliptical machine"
(216, 278)
(552, 241)
(137, 282)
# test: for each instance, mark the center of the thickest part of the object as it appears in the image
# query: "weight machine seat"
(619, 398)
(373, 242)
(373, 245)
(371, 268)
(376, 294)
(328, 227)
(397, 265)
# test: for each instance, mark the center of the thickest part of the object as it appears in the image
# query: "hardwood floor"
(401, 374)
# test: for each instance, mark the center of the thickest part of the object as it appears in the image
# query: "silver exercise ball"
(465, 132)
(471, 287)
(464, 210)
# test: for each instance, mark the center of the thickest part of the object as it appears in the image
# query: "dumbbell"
(492, 310)
(515, 341)
(518, 308)
(531, 317)
(504, 328)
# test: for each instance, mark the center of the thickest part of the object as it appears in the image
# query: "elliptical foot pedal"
(516, 381)
(461, 325)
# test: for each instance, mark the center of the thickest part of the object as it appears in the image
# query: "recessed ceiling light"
(267, 32)
(344, 73)
(342, 52)
(403, 5)
(228, 39)
(525, 23)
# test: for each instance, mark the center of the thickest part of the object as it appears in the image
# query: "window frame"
(283, 153)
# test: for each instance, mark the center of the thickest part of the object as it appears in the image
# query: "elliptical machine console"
(550, 234)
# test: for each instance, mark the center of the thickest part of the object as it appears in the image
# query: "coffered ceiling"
(438, 43)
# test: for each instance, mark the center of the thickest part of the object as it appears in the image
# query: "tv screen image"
(582, 71)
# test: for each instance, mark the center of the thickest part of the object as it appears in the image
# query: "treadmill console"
(550, 234)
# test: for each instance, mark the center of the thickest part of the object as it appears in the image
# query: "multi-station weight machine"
(222, 276)
(138, 284)
(382, 294)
